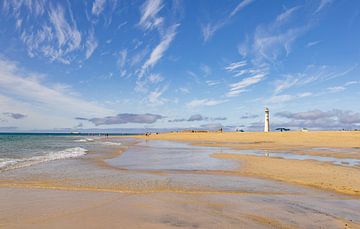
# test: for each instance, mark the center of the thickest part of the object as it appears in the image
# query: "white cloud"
(237, 88)
(286, 83)
(67, 35)
(235, 66)
(285, 16)
(204, 102)
(98, 7)
(160, 49)
(209, 29)
(205, 69)
(122, 62)
(155, 78)
(26, 93)
(149, 14)
(322, 4)
(274, 40)
(56, 38)
(269, 45)
(91, 44)
(240, 6)
(184, 90)
(313, 74)
(212, 82)
(336, 89)
(154, 97)
(287, 98)
(312, 43)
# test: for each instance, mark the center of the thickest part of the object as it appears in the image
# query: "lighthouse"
(267, 120)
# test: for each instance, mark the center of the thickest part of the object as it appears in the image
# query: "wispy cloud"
(235, 66)
(287, 97)
(275, 39)
(197, 117)
(56, 37)
(91, 44)
(26, 93)
(342, 87)
(15, 115)
(125, 118)
(240, 6)
(323, 4)
(312, 43)
(67, 36)
(237, 88)
(209, 29)
(312, 74)
(318, 119)
(286, 83)
(160, 49)
(184, 90)
(206, 70)
(155, 78)
(155, 97)
(204, 102)
(212, 82)
(122, 62)
(336, 89)
(249, 116)
(98, 7)
(149, 14)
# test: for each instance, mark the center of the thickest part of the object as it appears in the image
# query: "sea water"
(21, 150)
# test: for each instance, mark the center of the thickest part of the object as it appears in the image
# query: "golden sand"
(271, 140)
(310, 173)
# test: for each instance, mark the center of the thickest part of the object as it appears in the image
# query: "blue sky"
(73, 65)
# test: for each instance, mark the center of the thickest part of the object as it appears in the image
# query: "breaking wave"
(11, 163)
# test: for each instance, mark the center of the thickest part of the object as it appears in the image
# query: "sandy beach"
(306, 172)
(188, 180)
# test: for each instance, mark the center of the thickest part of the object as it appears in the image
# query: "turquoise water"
(21, 150)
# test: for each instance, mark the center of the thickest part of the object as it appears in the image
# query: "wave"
(11, 163)
(112, 143)
(84, 140)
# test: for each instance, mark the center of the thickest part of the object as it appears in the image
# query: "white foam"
(9, 163)
(112, 143)
(84, 140)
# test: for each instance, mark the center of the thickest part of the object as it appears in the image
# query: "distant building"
(267, 120)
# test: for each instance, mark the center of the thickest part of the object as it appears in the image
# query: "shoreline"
(310, 173)
(104, 189)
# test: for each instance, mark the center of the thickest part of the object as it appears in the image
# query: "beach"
(190, 180)
(311, 172)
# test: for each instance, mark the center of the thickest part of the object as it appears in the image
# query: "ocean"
(19, 150)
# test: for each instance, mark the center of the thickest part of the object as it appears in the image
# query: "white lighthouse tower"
(267, 120)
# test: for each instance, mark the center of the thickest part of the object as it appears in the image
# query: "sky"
(122, 66)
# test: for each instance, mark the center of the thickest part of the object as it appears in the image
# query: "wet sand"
(310, 173)
(37, 208)
(306, 172)
(164, 184)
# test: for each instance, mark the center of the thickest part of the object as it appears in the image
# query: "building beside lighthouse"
(267, 120)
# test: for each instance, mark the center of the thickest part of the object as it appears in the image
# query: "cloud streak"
(237, 88)
(149, 14)
(204, 102)
(124, 119)
(160, 49)
(318, 119)
(98, 7)
(209, 29)
(18, 88)
(15, 115)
